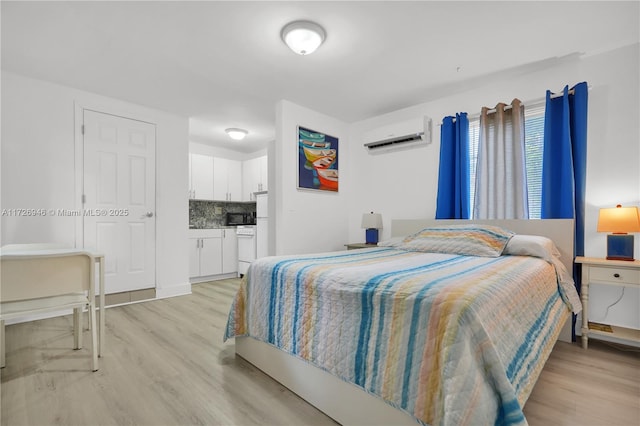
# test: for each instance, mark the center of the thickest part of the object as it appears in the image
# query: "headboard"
(559, 230)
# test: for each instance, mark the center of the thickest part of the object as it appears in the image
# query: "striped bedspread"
(452, 340)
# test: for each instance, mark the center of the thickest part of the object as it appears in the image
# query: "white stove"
(246, 247)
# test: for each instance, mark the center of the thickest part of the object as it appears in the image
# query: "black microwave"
(235, 219)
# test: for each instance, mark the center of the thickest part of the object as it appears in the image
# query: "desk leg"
(2, 342)
(584, 293)
(102, 308)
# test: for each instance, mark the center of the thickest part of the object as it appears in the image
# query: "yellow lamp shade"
(619, 220)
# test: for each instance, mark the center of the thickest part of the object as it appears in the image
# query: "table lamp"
(372, 222)
(619, 221)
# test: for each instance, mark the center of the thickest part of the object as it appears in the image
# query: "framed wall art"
(317, 160)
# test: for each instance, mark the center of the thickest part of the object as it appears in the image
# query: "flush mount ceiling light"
(237, 134)
(303, 37)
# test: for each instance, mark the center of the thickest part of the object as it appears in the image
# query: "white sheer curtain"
(501, 175)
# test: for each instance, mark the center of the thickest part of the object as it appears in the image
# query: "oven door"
(246, 248)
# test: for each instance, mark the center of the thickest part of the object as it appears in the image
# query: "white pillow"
(532, 245)
(465, 240)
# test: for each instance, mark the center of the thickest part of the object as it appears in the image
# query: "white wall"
(404, 184)
(306, 221)
(38, 170)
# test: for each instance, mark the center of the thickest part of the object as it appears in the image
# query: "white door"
(234, 180)
(229, 251)
(119, 198)
(262, 237)
(211, 256)
(202, 176)
(194, 257)
(264, 174)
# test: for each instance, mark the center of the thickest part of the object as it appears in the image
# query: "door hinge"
(82, 129)
(84, 198)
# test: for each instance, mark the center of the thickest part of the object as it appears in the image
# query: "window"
(534, 143)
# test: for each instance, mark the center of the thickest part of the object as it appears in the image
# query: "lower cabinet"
(205, 252)
(212, 252)
(229, 251)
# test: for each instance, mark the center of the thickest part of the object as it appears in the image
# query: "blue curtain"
(564, 164)
(453, 175)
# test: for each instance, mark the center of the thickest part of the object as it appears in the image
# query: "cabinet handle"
(616, 275)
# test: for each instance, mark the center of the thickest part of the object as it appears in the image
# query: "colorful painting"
(317, 160)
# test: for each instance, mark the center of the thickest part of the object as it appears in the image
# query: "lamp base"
(619, 247)
(371, 236)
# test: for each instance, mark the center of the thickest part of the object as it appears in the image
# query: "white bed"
(347, 403)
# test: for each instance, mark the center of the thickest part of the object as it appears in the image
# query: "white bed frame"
(347, 403)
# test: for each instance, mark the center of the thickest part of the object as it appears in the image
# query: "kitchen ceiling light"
(303, 37)
(237, 134)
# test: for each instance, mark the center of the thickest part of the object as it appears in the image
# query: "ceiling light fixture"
(303, 37)
(237, 134)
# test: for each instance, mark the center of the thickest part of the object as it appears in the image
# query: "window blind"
(534, 144)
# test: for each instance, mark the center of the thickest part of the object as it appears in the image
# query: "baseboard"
(126, 297)
(196, 280)
(174, 290)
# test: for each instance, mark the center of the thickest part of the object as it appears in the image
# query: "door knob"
(149, 214)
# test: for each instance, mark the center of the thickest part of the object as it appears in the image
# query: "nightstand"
(607, 272)
(352, 246)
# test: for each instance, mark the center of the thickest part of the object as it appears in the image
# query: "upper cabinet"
(200, 177)
(221, 179)
(227, 179)
(254, 177)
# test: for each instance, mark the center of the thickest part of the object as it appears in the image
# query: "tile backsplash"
(212, 214)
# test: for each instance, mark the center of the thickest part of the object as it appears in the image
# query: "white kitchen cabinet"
(205, 252)
(229, 251)
(264, 173)
(227, 179)
(200, 177)
(194, 257)
(254, 177)
(212, 252)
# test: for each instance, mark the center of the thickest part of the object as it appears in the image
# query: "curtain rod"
(531, 101)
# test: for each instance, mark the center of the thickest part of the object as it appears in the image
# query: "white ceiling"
(223, 64)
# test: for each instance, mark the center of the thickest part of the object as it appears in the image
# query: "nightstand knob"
(616, 275)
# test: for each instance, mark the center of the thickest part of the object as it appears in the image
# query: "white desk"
(31, 250)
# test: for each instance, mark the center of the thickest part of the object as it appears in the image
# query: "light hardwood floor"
(165, 364)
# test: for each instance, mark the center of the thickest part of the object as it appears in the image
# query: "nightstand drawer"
(614, 275)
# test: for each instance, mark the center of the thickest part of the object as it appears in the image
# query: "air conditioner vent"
(399, 135)
(394, 141)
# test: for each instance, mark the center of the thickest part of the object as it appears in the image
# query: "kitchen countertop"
(216, 227)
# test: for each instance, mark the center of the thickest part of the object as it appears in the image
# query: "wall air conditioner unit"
(402, 135)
